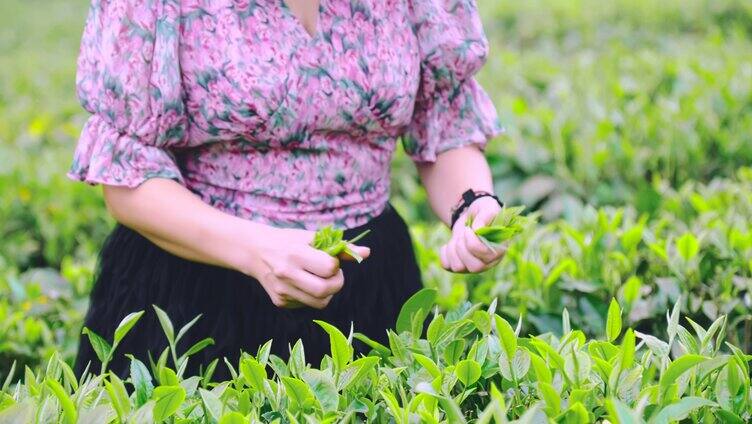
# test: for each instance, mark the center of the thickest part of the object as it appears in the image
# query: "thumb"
(483, 217)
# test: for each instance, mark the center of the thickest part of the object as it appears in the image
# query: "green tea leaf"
(166, 324)
(168, 377)
(254, 373)
(141, 380)
(619, 412)
(342, 352)
(506, 335)
(70, 416)
(687, 246)
(613, 321)
(542, 371)
(212, 403)
(126, 325)
(419, 303)
(298, 392)
(118, 395)
(680, 410)
(467, 371)
(373, 344)
(357, 371)
(428, 364)
(679, 367)
(728, 417)
(168, 400)
(233, 417)
(100, 345)
(551, 397)
(627, 349)
(198, 347)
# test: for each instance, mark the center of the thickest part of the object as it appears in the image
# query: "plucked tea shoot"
(331, 240)
(506, 225)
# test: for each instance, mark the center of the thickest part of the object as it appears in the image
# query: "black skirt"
(133, 274)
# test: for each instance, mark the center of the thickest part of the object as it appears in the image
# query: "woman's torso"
(291, 128)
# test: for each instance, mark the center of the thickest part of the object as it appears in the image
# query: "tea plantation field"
(627, 298)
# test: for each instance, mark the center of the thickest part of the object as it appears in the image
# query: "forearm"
(178, 221)
(452, 173)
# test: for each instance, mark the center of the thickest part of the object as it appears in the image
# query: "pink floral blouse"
(235, 100)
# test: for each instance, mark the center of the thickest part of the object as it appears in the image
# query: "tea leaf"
(100, 345)
(331, 240)
(254, 373)
(467, 371)
(166, 324)
(141, 380)
(542, 371)
(627, 349)
(378, 347)
(428, 364)
(70, 415)
(506, 335)
(613, 321)
(198, 347)
(418, 304)
(118, 394)
(551, 397)
(679, 367)
(687, 246)
(357, 371)
(168, 377)
(233, 417)
(680, 410)
(619, 413)
(126, 325)
(168, 401)
(342, 352)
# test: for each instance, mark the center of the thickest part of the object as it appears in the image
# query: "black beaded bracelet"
(469, 197)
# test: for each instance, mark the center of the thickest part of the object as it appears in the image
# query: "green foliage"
(627, 137)
(697, 250)
(557, 379)
(507, 225)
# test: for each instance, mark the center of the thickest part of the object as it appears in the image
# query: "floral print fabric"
(235, 100)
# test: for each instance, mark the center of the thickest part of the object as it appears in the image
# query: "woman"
(225, 132)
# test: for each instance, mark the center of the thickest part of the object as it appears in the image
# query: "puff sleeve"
(451, 108)
(128, 78)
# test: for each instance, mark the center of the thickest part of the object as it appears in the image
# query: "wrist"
(243, 245)
(469, 197)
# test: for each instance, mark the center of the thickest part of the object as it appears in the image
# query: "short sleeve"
(128, 78)
(451, 109)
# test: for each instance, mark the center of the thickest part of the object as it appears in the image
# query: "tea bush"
(696, 250)
(471, 365)
(628, 140)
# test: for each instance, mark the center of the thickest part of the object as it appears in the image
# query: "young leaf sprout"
(507, 225)
(331, 241)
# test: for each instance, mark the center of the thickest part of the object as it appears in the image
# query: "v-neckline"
(299, 23)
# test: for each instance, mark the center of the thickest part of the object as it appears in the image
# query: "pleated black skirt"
(133, 274)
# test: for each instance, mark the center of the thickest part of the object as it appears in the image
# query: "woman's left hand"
(466, 252)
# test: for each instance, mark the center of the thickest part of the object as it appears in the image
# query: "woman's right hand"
(291, 271)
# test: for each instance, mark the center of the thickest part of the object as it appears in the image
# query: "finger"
(455, 263)
(317, 262)
(443, 257)
(483, 217)
(361, 251)
(477, 248)
(470, 262)
(295, 296)
(316, 286)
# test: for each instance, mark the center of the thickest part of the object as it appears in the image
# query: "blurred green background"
(629, 138)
